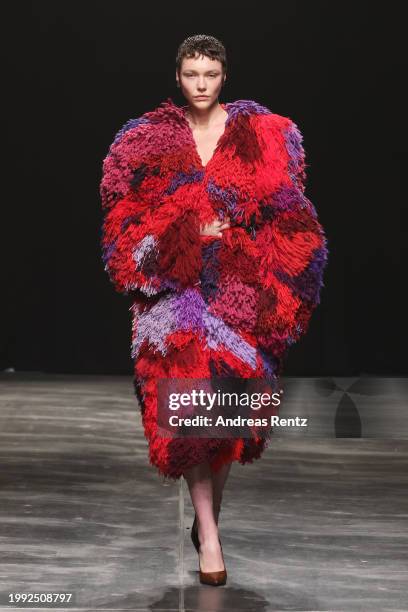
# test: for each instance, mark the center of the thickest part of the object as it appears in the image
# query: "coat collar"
(168, 110)
(238, 128)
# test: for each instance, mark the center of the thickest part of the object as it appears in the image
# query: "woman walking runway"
(207, 227)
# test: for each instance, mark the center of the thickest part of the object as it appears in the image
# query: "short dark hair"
(202, 44)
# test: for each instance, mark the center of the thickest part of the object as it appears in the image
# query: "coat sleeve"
(292, 250)
(147, 245)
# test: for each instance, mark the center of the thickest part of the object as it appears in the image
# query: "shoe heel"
(194, 535)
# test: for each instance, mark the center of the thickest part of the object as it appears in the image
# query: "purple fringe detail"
(155, 325)
(245, 107)
(226, 197)
(307, 284)
(182, 179)
(294, 146)
(217, 332)
(189, 307)
(129, 125)
(143, 249)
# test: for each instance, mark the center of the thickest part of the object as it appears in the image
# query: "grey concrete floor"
(318, 523)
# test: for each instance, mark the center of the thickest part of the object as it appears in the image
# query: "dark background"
(73, 73)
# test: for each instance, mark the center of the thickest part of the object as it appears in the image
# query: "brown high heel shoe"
(213, 578)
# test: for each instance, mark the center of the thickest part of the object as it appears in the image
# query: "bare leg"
(219, 479)
(200, 484)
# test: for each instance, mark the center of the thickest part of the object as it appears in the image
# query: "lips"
(201, 97)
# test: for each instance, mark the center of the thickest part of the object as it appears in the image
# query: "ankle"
(208, 533)
(209, 540)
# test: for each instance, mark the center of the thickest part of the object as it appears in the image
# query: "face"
(201, 76)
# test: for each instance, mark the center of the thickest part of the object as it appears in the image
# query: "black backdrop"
(74, 72)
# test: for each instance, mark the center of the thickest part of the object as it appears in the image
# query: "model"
(207, 226)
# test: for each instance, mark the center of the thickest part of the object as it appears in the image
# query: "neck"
(203, 118)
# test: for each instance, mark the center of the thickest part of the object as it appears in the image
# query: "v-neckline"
(224, 105)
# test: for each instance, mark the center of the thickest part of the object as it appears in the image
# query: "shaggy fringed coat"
(205, 306)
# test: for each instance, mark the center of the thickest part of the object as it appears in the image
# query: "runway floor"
(319, 523)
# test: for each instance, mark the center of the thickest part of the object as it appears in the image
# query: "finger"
(222, 224)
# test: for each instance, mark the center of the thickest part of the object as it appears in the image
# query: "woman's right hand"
(215, 228)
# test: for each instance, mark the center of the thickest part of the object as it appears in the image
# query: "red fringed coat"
(206, 306)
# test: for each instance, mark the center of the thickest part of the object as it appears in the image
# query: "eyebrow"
(192, 70)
